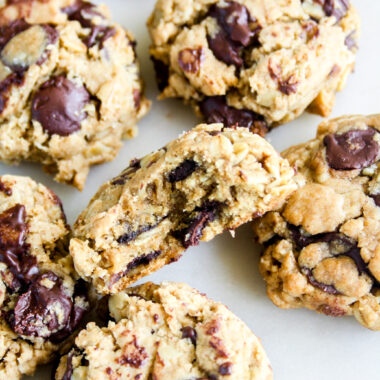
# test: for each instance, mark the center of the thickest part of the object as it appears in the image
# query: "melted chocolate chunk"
(134, 165)
(376, 198)
(14, 79)
(162, 73)
(189, 332)
(132, 235)
(192, 234)
(286, 86)
(69, 366)
(9, 31)
(41, 310)
(355, 149)
(98, 35)
(216, 110)
(58, 106)
(135, 359)
(182, 171)
(5, 189)
(225, 369)
(337, 8)
(332, 311)
(83, 12)
(238, 30)
(190, 60)
(324, 287)
(350, 41)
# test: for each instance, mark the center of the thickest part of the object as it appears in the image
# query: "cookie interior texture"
(41, 302)
(70, 88)
(207, 181)
(323, 247)
(253, 63)
(167, 331)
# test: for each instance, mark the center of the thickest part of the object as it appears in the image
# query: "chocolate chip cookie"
(41, 303)
(69, 86)
(255, 64)
(209, 180)
(167, 331)
(323, 247)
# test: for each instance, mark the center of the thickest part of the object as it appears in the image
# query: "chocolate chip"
(337, 8)
(162, 73)
(99, 35)
(376, 198)
(192, 234)
(4, 188)
(190, 60)
(324, 287)
(224, 49)
(216, 110)
(58, 106)
(189, 332)
(350, 41)
(69, 366)
(132, 235)
(225, 369)
(14, 79)
(286, 86)
(140, 260)
(43, 309)
(182, 171)
(83, 12)
(332, 311)
(355, 149)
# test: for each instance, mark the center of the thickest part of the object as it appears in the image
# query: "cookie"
(323, 247)
(69, 86)
(254, 63)
(167, 331)
(207, 181)
(41, 303)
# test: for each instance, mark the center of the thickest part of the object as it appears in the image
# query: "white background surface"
(301, 344)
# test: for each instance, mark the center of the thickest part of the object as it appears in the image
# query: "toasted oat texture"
(69, 86)
(255, 63)
(323, 247)
(167, 331)
(207, 181)
(41, 304)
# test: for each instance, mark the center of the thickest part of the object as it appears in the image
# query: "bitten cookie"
(323, 248)
(254, 63)
(167, 331)
(207, 181)
(69, 86)
(41, 304)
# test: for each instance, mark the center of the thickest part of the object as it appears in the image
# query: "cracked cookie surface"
(41, 303)
(255, 63)
(207, 181)
(69, 86)
(323, 248)
(167, 331)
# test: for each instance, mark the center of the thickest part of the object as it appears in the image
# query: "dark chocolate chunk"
(162, 73)
(182, 171)
(41, 311)
(225, 369)
(58, 106)
(189, 332)
(224, 49)
(134, 165)
(5, 188)
(190, 60)
(13, 79)
(216, 110)
(376, 198)
(238, 30)
(337, 8)
(192, 234)
(98, 35)
(83, 12)
(9, 31)
(350, 41)
(131, 234)
(69, 366)
(324, 287)
(355, 149)
(332, 311)
(287, 86)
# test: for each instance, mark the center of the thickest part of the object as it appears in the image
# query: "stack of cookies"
(70, 91)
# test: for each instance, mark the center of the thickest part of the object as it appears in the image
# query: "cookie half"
(323, 247)
(167, 331)
(207, 181)
(41, 301)
(255, 64)
(70, 88)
